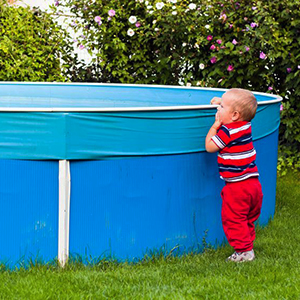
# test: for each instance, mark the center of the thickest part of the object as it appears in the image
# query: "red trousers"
(240, 209)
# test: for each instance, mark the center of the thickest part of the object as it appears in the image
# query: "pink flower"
(253, 25)
(247, 48)
(223, 17)
(81, 47)
(281, 107)
(230, 26)
(219, 42)
(289, 70)
(234, 42)
(137, 24)
(98, 20)
(262, 55)
(111, 12)
(212, 47)
(270, 88)
(230, 68)
(213, 60)
(209, 37)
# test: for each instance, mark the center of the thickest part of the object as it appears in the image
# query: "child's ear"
(235, 116)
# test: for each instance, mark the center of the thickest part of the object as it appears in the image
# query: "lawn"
(275, 274)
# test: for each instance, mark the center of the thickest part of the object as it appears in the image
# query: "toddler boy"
(242, 195)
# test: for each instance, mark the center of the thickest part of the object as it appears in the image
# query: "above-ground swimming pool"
(115, 171)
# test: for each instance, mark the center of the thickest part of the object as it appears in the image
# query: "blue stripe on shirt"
(243, 140)
(235, 169)
(225, 130)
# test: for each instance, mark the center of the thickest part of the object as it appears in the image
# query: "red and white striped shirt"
(237, 155)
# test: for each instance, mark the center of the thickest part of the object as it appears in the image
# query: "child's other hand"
(215, 101)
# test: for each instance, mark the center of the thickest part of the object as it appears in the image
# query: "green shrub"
(32, 46)
(250, 44)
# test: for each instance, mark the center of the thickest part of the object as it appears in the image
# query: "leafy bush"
(251, 44)
(32, 46)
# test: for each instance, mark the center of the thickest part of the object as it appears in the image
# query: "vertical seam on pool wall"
(64, 211)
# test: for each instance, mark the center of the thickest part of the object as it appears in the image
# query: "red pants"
(240, 209)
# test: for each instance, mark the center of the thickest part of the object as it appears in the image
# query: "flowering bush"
(31, 45)
(251, 44)
(142, 42)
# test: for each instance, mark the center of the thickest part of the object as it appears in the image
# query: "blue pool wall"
(29, 212)
(124, 203)
(173, 201)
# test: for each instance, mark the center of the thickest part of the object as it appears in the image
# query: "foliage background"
(32, 46)
(210, 43)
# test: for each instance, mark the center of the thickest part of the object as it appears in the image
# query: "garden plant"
(208, 43)
(32, 46)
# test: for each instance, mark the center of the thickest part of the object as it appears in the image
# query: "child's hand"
(215, 101)
(210, 145)
(218, 122)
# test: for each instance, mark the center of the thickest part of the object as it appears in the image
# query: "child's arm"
(210, 146)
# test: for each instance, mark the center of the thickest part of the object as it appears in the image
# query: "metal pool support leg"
(64, 211)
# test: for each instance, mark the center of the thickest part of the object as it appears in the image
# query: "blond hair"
(244, 102)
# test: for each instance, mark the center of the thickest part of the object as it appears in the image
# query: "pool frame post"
(64, 211)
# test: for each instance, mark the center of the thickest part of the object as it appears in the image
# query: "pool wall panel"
(266, 159)
(29, 211)
(139, 205)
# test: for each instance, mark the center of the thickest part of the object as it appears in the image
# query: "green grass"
(275, 274)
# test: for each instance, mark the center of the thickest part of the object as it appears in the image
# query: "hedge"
(210, 43)
(32, 46)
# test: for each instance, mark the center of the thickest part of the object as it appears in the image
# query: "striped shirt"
(237, 155)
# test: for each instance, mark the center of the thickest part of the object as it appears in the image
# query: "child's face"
(225, 110)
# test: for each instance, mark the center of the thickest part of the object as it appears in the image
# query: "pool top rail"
(98, 97)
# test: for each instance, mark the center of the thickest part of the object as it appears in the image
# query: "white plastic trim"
(106, 109)
(64, 212)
